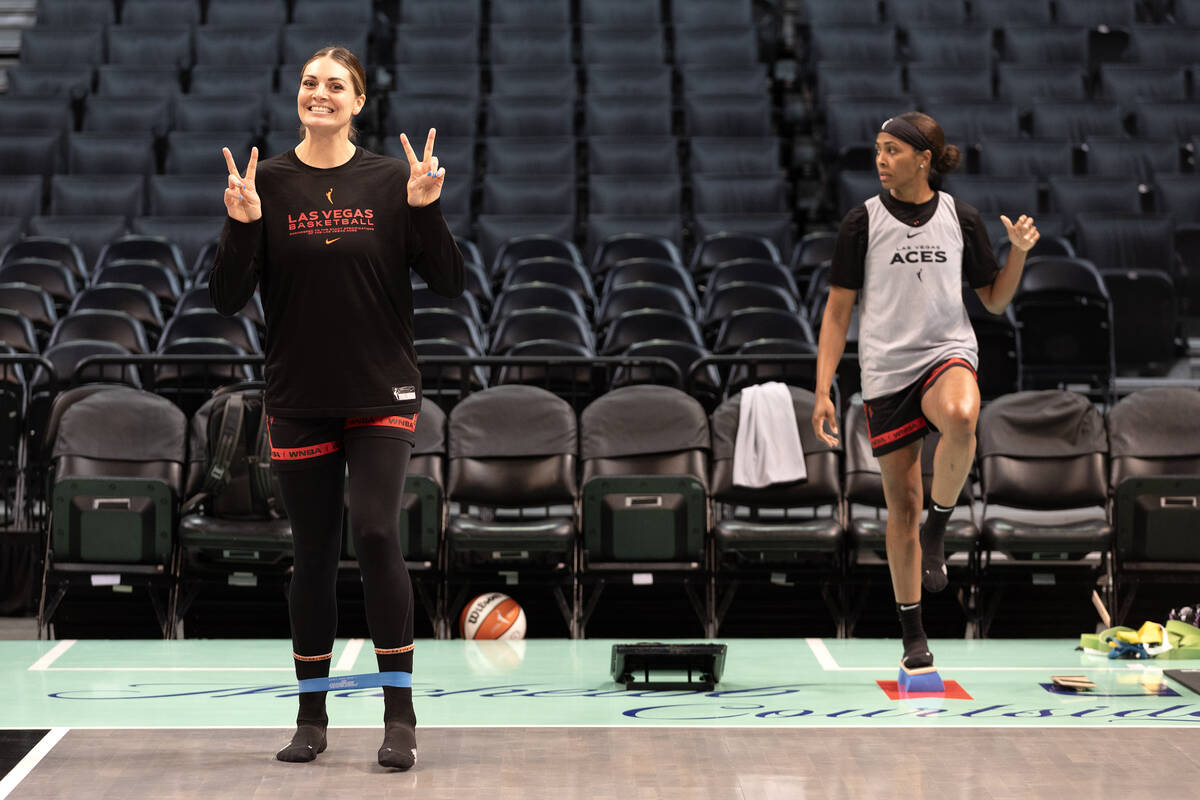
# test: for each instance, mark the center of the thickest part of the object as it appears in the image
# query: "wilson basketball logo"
(492, 616)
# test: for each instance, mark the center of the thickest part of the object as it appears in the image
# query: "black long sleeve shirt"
(332, 252)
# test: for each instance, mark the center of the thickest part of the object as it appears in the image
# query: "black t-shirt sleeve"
(433, 253)
(848, 268)
(979, 260)
(238, 265)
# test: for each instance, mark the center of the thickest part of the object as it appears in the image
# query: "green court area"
(541, 682)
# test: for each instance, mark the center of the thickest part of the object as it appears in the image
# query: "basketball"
(492, 616)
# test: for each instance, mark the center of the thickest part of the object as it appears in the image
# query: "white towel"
(767, 449)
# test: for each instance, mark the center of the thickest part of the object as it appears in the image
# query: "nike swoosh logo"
(914, 233)
(331, 241)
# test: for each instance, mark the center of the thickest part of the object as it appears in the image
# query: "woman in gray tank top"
(903, 255)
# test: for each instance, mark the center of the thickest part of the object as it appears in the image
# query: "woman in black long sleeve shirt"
(327, 232)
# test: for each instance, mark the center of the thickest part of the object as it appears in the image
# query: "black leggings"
(313, 497)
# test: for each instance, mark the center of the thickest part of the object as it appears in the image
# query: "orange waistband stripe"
(953, 362)
(301, 453)
(897, 433)
(408, 423)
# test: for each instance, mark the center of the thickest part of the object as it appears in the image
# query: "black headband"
(905, 131)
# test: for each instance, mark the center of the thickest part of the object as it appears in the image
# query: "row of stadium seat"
(670, 448)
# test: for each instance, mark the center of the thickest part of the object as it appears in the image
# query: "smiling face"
(328, 98)
(898, 163)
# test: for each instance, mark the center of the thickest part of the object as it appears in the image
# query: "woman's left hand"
(1023, 235)
(425, 177)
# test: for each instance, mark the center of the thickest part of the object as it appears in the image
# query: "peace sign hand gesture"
(425, 178)
(241, 199)
(1023, 235)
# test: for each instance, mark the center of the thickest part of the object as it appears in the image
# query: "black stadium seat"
(635, 195)
(199, 153)
(199, 113)
(1075, 195)
(89, 233)
(210, 80)
(545, 155)
(1127, 84)
(966, 123)
(1039, 158)
(1023, 84)
(641, 155)
(159, 12)
(300, 41)
(727, 115)
(1027, 42)
(996, 13)
(623, 79)
(733, 155)
(932, 81)
(864, 44)
(108, 153)
(103, 325)
(53, 45)
(30, 153)
(1059, 119)
(948, 46)
(66, 13)
(123, 114)
(518, 44)
(644, 324)
(432, 44)
(524, 194)
(151, 45)
(717, 44)
(237, 12)
(819, 13)
(137, 80)
(185, 196)
(1094, 13)
(238, 46)
(619, 12)
(527, 80)
(50, 81)
(97, 194)
(624, 45)
(520, 326)
(632, 115)
(1141, 159)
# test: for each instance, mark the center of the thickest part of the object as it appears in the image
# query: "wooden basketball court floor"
(791, 718)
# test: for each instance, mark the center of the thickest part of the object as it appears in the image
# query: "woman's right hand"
(241, 200)
(823, 410)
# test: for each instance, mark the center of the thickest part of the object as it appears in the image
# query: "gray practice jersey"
(912, 315)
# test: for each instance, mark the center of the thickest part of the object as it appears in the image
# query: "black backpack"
(229, 469)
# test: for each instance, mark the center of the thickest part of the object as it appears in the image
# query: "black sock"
(933, 549)
(311, 719)
(399, 748)
(912, 633)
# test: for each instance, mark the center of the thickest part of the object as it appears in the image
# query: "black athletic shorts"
(296, 441)
(896, 420)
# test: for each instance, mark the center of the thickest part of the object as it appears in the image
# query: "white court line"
(31, 759)
(171, 669)
(828, 663)
(824, 657)
(50, 657)
(952, 668)
(349, 654)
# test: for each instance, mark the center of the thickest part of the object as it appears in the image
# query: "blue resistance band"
(371, 680)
